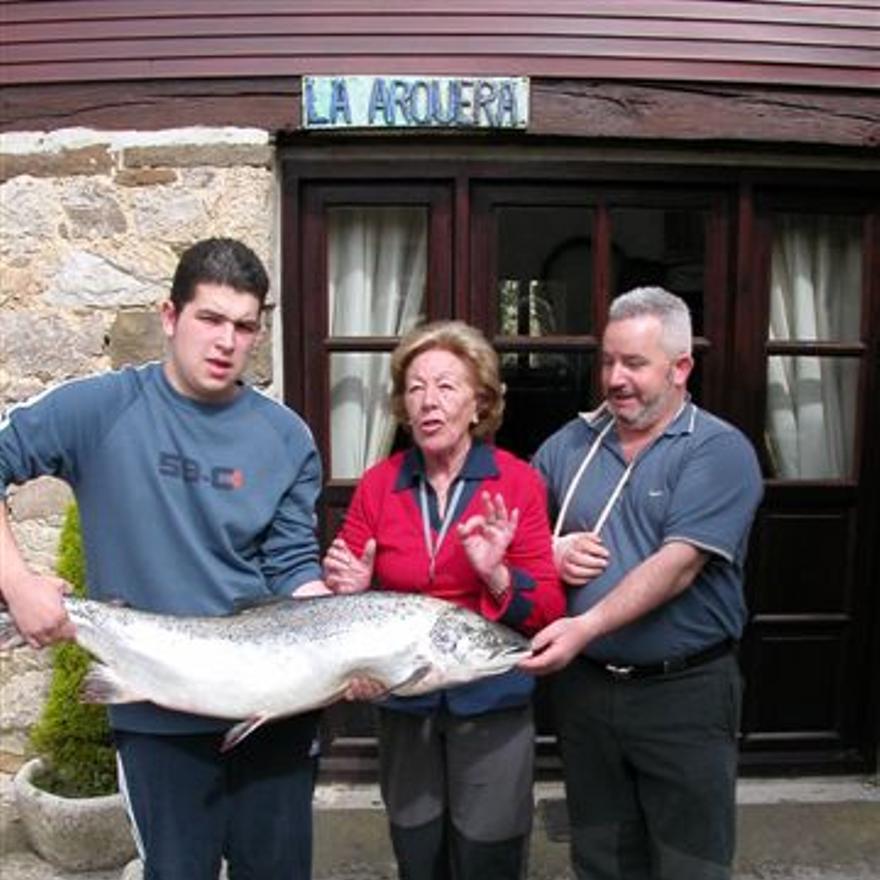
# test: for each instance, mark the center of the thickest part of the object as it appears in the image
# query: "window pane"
(651, 246)
(545, 266)
(376, 269)
(811, 408)
(544, 391)
(361, 425)
(816, 278)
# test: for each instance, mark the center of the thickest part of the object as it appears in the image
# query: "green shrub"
(71, 737)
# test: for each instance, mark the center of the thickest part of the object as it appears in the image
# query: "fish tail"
(102, 685)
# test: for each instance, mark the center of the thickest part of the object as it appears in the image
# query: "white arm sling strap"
(569, 493)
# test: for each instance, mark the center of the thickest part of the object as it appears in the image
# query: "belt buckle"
(621, 672)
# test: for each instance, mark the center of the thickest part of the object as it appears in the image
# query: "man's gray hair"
(669, 309)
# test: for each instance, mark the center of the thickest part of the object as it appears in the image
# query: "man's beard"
(651, 411)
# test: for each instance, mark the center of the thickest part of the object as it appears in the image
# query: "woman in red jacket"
(459, 519)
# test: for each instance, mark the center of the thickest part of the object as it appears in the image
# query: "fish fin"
(239, 731)
(414, 677)
(102, 685)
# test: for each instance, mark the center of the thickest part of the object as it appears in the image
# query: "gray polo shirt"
(699, 482)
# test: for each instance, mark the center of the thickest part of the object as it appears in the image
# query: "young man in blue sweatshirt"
(195, 493)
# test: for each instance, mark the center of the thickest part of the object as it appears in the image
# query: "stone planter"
(76, 834)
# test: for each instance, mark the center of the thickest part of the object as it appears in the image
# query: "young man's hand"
(36, 604)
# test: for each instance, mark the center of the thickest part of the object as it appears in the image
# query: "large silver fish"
(286, 656)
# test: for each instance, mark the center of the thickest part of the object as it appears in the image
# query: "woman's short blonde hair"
(466, 343)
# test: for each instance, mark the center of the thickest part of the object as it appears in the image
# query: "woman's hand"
(364, 689)
(344, 572)
(486, 537)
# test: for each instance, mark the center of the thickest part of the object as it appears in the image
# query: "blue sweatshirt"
(186, 507)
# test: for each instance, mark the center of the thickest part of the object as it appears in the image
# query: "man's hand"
(556, 646)
(311, 588)
(658, 579)
(580, 557)
(36, 606)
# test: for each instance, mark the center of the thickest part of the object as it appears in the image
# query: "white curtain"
(815, 294)
(377, 269)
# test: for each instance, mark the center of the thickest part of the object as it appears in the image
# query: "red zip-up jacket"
(386, 507)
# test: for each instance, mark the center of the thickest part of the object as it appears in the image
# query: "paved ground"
(804, 830)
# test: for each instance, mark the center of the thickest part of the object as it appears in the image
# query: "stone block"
(136, 337)
(24, 683)
(21, 701)
(39, 499)
(169, 214)
(49, 348)
(38, 540)
(191, 155)
(19, 287)
(259, 371)
(144, 176)
(92, 210)
(87, 279)
(95, 159)
(29, 217)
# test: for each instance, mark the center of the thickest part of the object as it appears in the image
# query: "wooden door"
(804, 383)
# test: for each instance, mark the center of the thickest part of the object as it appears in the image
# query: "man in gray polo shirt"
(653, 499)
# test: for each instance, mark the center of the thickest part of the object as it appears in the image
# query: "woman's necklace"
(433, 546)
(441, 483)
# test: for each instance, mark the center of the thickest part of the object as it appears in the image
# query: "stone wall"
(91, 227)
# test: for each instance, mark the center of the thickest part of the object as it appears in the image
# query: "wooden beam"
(564, 108)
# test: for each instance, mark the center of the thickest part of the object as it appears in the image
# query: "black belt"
(676, 664)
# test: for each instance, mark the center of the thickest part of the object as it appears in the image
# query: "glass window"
(816, 278)
(660, 246)
(545, 288)
(545, 270)
(815, 296)
(540, 399)
(376, 270)
(362, 425)
(811, 413)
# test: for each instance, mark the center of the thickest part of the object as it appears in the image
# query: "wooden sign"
(331, 102)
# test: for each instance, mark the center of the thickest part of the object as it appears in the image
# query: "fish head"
(465, 647)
